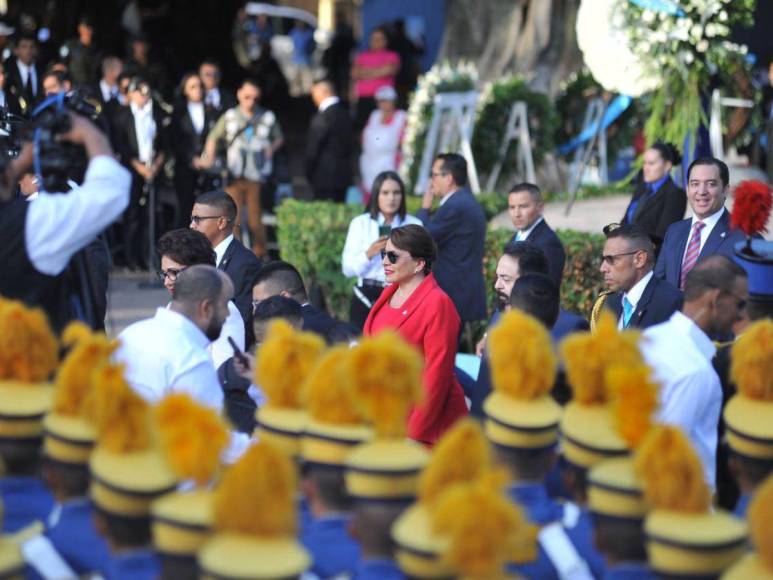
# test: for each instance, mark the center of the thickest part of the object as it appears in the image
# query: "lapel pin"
(722, 235)
(405, 313)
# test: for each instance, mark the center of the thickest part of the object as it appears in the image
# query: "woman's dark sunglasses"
(391, 256)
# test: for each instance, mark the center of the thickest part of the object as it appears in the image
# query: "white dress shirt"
(196, 113)
(24, 72)
(213, 98)
(327, 103)
(446, 197)
(221, 248)
(680, 354)
(108, 92)
(710, 222)
(633, 296)
(524, 234)
(145, 129)
(58, 225)
(168, 354)
(220, 350)
(363, 231)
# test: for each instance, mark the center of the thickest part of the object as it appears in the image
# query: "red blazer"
(429, 321)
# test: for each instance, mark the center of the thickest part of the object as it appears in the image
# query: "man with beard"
(168, 353)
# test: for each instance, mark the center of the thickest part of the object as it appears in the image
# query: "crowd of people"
(242, 432)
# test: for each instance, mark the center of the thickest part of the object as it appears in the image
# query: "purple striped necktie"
(693, 251)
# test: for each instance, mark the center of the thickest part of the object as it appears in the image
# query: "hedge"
(311, 236)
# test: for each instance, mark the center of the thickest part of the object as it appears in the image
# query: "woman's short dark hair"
(417, 242)
(377, 183)
(667, 152)
(181, 87)
(187, 247)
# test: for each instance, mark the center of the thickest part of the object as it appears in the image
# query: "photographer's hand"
(14, 171)
(84, 132)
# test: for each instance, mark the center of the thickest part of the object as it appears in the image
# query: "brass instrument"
(597, 306)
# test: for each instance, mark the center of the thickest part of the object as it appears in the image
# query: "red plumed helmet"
(752, 203)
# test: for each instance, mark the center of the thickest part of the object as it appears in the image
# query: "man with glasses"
(214, 215)
(638, 298)
(459, 230)
(680, 352)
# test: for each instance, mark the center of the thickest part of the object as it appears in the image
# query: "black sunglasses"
(391, 256)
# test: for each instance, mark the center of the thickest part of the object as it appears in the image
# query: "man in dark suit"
(7, 99)
(281, 278)
(214, 214)
(525, 206)
(329, 145)
(707, 232)
(459, 230)
(638, 298)
(217, 99)
(24, 78)
(518, 259)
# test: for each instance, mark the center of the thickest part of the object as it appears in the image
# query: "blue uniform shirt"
(72, 533)
(332, 549)
(629, 571)
(377, 569)
(134, 565)
(742, 506)
(25, 499)
(581, 535)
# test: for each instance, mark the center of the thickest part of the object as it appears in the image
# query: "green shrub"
(493, 203)
(311, 236)
(491, 124)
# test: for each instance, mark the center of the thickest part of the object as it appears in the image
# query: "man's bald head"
(201, 293)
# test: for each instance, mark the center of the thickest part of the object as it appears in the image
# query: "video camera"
(56, 162)
(10, 141)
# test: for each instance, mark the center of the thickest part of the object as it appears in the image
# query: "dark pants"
(358, 312)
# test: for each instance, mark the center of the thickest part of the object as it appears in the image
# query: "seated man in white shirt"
(168, 353)
(680, 353)
(180, 249)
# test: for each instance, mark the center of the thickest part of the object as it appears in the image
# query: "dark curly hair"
(417, 241)
(186, 247)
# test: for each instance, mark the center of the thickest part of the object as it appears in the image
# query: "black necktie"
(28, 89)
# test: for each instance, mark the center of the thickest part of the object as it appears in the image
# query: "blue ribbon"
(613, 111)
(666, 6)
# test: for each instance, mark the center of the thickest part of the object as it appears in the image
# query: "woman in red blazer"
(414, 305)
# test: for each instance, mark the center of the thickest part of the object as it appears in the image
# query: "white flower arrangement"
(442, 77)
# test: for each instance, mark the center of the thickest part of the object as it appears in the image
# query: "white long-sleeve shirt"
(168, 354)
(58, 225)
(220, 350)
(363, 231)
(680, 354)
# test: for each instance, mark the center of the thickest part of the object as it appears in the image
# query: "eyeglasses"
(435, 174)
(391, 256)
(612, 258)
(170, 273)
(197, 219)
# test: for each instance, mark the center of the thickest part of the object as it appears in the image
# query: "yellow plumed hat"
(758, 564)
(128, 470)
(69, 436)
(385, 376)
(461, 455)
(614, 489)
(334, 423)
(588, 430)
(520, 412)
(28, 357)
(749, 414)
(483, 529)
(684, 537)
(284, 361)
(255, 519)
(192, 438)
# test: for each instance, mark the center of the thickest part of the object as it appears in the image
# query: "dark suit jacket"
(721, 241)
(543, 236)
(329, 328)
(459, 230)
(186, 142)
(126, 135)
(12, 102)
(242, 266)
(659, 211)
(657, 303)
(329, 149)
(14, 85)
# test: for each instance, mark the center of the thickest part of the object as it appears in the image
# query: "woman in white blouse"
(367, 237)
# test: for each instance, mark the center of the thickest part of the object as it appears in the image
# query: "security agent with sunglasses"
(214, 215)
(638, 298)
(38, 239)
